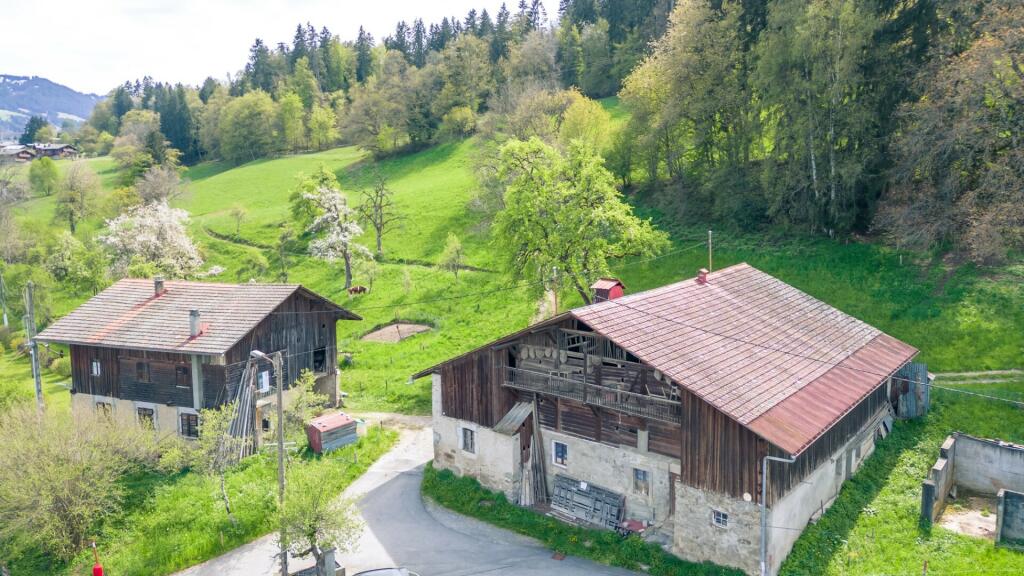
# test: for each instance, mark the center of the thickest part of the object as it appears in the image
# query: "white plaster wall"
(124, 411)
(496, 460)
(612, 468)
(698, 539)
(815, 493)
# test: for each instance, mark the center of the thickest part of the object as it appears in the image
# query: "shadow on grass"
(360, 174)
(820, 542)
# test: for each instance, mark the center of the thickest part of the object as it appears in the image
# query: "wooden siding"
(471, 388)
(296, 328)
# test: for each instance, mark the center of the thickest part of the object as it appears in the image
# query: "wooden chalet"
(662, 406)
(157, 352)
(54, 150)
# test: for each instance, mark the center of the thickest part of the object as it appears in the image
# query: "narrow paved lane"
(402, 530)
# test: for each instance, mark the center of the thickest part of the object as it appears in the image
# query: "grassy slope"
(967, 319)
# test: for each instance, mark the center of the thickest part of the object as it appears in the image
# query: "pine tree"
(419, 43)
(300, 49)
(364, 55)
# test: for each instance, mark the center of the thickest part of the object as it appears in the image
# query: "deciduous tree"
(379, 210)
(152, 234)
(75, 198)
(563, 217)
(336, 230)
(43, 176)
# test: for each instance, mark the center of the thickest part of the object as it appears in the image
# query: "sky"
(92, 46)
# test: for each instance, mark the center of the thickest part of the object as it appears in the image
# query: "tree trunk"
(380, 242)
(348, 270)
(227, 502)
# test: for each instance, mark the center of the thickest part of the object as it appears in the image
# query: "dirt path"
(980, 377)
(547, 306)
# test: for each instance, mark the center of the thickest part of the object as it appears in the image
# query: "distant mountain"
(24, 96)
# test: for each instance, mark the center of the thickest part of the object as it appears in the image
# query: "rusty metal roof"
(607, 284)
(773, 358)
(130, 315)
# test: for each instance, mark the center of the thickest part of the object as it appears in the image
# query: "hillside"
(25, 96)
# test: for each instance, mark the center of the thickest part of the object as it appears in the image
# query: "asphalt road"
(403, 530)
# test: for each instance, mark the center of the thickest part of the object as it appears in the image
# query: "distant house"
(157, 352)
(54, 150)
(662, 406)
(16, 153)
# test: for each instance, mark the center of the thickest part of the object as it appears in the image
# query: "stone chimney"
(158, 286)
(702, 276)
(194, 328)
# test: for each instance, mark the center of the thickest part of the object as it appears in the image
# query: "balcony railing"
(623, 401)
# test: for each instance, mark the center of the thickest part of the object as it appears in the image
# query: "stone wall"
(612, 468)
(495, 462)
(699, 539)
(940, 482)
(1010, 518)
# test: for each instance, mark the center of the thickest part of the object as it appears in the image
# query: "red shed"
(607, 289)
(330, 432)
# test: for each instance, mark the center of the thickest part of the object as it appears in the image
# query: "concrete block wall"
(988, 466)
(612, 468)
(1010, 518)
(699, 539)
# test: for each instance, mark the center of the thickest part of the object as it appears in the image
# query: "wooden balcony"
(631, 403)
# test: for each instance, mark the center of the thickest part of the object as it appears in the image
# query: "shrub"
(458, 122)
(61, 366)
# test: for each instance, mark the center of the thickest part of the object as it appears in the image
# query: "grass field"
(959, 316)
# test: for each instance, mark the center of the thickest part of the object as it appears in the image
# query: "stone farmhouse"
(723, 412)
(156, 352)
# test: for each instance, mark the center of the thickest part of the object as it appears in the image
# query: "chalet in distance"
(157, 352)
(662, 407)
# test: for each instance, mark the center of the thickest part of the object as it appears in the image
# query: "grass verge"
(466, 496)
(873, 526)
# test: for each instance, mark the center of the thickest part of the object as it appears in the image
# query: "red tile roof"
(773, 358)
(129, 315)
(607, 283)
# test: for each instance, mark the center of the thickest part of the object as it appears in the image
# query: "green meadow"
(961, 317)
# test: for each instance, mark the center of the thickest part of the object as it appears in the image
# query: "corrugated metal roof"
(511, 422)
(331, 421)
(747, 343)
(130, 315)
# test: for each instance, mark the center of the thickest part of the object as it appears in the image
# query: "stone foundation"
(699, 539)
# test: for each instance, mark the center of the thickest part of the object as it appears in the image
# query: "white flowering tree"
(336, 229)
(152, 236)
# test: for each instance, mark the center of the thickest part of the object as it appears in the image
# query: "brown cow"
(357, 290)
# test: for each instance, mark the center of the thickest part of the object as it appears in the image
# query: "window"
(264, 381)
(469, 440)
(559, 453)
(147, 417)
(94, 367)
(182, 377)
(641, 482)
(142, 371)
(104, 409)
(719, 518)
(320, 360)
(189, 425)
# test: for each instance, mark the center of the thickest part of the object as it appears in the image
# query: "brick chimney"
(607, 289)
(158, 286)
(702, 276)
(194, 328)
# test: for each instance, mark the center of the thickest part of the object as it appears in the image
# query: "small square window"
(104, 409)
(560, 454)
(142, 371)
(719, 518)
(94, 367)
(469, 440)
(190, 425)
(641, 482)
(147, 417)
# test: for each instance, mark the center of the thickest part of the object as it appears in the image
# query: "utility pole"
(3, 299)
(30, 332)
(710, 267)
(277, 362)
